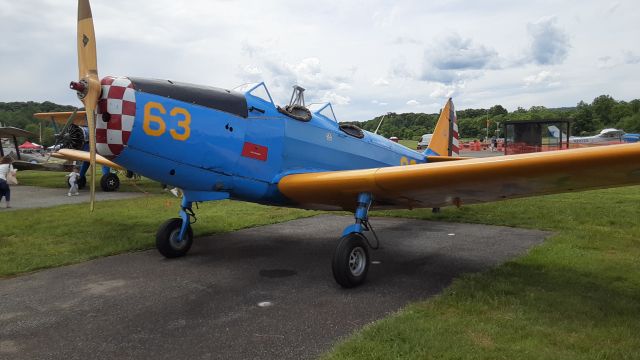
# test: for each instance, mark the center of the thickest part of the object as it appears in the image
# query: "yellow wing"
(469, 181)
(78, 155)
(61, 117)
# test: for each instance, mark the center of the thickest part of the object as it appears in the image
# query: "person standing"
(5, 169)
(73, 181)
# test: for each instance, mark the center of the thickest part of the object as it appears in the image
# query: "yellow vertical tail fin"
(445, 139)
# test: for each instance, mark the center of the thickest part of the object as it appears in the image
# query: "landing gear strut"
(175, 237)
(351, 258)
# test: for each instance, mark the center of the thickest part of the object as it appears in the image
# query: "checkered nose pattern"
(115, 115)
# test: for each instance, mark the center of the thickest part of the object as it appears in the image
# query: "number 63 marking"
(160, 125)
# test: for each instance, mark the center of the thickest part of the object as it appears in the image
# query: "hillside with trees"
(20, 115)
(586, 118)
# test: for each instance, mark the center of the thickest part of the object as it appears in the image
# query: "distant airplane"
(74, 138)
(217, 144)
(605, 137)
(631, 138)
(24, 161)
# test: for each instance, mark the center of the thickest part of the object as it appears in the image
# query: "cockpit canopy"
(297, 108)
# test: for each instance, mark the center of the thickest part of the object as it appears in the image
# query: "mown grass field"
(577, 296)
(42, 238)
(411, 144)
(53, 179)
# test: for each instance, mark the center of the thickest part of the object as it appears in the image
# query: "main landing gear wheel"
(351, 261)
(167, 241)
(109, 182)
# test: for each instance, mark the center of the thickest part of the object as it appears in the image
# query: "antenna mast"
(380, 123)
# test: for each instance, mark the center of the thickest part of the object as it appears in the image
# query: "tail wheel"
(109, 182)
(167, 241)
(351, 261)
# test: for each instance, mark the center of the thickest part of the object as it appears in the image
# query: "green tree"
(602, 106)
(583, 120)
(496, 110)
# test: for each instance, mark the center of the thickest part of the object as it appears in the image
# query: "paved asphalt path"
(261, 293)
(28, 197)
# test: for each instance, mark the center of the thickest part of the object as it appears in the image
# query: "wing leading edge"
(79, 119)
(79, 155)
(469, 181)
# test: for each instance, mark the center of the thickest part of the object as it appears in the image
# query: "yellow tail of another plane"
(444, 141)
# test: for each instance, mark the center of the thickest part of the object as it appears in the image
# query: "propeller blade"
(89, 86)
(87, 58)
(91, 121)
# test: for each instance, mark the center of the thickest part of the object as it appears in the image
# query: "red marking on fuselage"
(255, 151)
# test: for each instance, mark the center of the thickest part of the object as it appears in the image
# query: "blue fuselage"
(204, 149)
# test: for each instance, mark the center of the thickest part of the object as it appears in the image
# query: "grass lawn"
(577, 296)
(411, 144)
(41, 238)
(54, 179)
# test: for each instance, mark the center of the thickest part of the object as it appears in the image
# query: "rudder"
(445, 139)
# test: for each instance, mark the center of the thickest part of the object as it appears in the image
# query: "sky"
(365, 57)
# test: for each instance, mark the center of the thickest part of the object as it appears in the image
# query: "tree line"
(20, 115)
(586, 119)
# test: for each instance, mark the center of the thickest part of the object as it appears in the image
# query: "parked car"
(424, 142)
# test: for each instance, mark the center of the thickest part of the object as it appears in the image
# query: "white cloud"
(381, 82)
(631, 58)
(281, 75)
(251, 73)
(402, 40)
(413, 102)
(385, 17)
(400, 69)
(613, 7)
(544, 76)
(443, 91)
(604, 62)
(341, 51)
(456, 58)
(549, 43)
(332, 97)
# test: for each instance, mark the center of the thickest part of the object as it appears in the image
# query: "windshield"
(258, 90)
(323, 109)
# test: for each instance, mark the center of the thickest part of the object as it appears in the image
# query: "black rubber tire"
(343, 269)
(109, 182)
(166, 245)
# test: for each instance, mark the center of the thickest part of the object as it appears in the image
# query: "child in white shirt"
(73, 181)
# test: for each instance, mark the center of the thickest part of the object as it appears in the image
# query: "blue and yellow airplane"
(219, 144)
